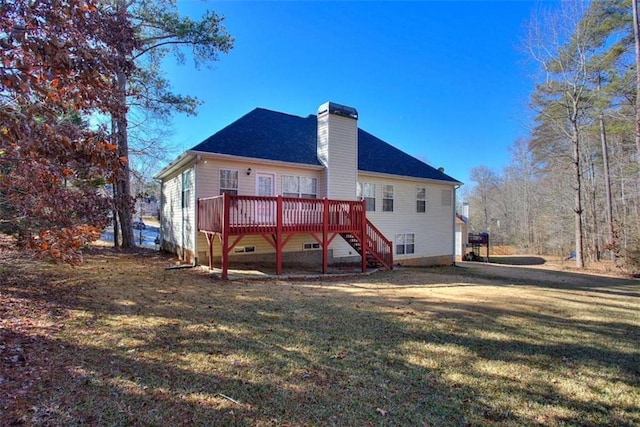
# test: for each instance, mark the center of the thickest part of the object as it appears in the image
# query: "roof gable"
(270, 135)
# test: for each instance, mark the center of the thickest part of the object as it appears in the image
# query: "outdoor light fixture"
(248, 171)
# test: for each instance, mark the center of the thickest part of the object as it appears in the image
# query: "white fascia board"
(183, 160)
(205, 154)
(408, 178)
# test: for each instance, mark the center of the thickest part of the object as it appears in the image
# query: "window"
(367, 192)
(310, 246)
(228, 182)
(299, 186)
(446, 197)
(405, 244)
(421, 199)
(244, 249)
(186, 189)
(387, 198)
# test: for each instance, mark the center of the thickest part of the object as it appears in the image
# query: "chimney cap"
(338, 110)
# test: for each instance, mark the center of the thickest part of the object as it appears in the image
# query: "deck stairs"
(379, 249)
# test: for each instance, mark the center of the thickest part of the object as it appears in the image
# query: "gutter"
(195, 209)
(455, 191)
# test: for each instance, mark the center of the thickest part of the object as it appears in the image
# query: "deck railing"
(256, 214)
(379, 245)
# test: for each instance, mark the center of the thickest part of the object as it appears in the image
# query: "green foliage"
(162, 31)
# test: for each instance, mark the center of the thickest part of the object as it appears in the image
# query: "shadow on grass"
(175, 347)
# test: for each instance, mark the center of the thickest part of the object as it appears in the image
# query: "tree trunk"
(636, 37)
(611, 244)
(124, 201)
(116, 242)
(577, 183)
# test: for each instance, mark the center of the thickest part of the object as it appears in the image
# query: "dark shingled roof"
(271, 135)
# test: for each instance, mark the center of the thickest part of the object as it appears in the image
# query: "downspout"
(160, 215)
(195, 210)
(453, 218)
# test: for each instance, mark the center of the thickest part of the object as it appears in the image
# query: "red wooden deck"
(278, 219)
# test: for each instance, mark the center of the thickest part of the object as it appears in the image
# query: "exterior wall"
(209, 175)
(433, 229)
(209, 186)
(338, 151)
(178, 223)
(461, 239)
(458, 241)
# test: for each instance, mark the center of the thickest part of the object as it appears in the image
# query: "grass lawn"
(122, 341)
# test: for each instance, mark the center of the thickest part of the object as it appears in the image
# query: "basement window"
(405, 243)
(310, 246)
(244, 249)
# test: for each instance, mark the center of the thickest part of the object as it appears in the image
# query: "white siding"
(338, 150)
(177, 222)
(209, 186)
(433, 229)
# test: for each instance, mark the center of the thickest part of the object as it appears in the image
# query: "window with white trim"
(311, 246)
(367, 192)
(387, 198)
(299, 186)
(421, 200)
(186, 189)
(446, 196)
(228, 181)
(405, 243)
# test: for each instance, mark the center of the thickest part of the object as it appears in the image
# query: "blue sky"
(444, 81)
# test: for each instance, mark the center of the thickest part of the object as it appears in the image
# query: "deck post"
(279, 213)
(363, 234)
(210, 239)
(225, 235)
(325, 236)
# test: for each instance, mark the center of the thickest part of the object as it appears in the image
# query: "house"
(462, 232)
(305, 190)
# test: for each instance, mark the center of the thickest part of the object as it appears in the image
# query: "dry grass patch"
(122, 341)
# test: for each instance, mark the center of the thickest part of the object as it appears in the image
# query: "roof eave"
(411, 178)
(256, 160)
(182, 160)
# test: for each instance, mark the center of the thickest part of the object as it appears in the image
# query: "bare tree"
(484, 201)
(561, 43)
